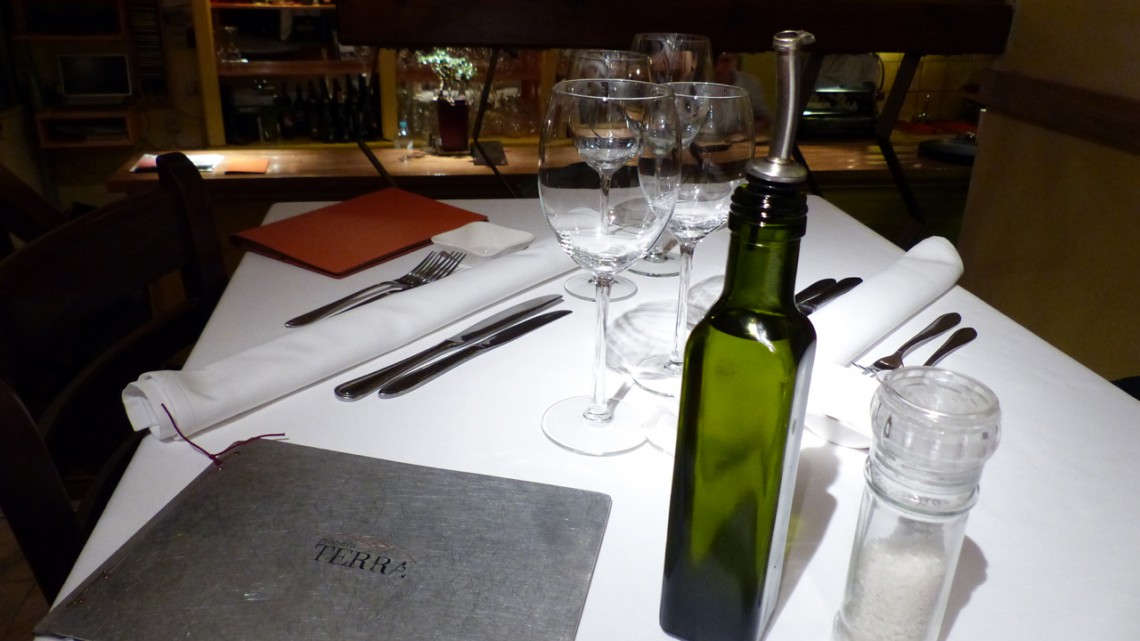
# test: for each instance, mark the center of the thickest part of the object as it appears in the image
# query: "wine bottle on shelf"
(743, 397)
(300, 112)
(316, 127)
(369, 119)
(285, 121)
(348, 111)
(336, 112)
(375, 113)
(328, 114)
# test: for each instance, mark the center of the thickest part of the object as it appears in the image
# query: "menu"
(354, 234)
(285, 541)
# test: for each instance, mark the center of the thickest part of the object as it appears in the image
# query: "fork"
(432, 268)
(940, 325)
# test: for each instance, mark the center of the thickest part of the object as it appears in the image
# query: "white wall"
(1051, 234)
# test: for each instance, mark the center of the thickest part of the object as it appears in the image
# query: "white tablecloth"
(1051, 550)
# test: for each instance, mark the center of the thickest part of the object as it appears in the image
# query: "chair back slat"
(76, 325)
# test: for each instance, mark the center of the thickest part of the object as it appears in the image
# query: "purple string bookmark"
(216, 459)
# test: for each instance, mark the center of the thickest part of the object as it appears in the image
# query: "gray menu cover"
(286, 542)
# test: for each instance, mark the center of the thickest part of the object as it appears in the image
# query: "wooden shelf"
(263, 68)
(276, 6)
(316, 56)
(96, 26)
(72, 128)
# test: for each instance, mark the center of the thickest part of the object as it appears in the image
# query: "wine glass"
(605, 63)
(717, 139)
(608, 175)
(610, 63)
(675, 57)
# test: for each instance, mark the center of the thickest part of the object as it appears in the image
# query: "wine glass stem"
(656, 253)
(599, 409)
(681, 330)
(606, 213)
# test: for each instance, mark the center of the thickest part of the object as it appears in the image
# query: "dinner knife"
(362, 386)
(835, 290)
(956, 340)
(409, 381)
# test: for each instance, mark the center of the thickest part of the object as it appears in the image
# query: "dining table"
(1051, 550)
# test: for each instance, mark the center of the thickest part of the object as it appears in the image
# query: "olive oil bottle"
(743, 397)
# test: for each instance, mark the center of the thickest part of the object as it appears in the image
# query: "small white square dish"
(483, 240)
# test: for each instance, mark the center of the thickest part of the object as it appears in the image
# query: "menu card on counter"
(246, 166)
(291, 542)
(344, 238)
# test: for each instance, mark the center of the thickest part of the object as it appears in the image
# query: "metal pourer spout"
(779, 166)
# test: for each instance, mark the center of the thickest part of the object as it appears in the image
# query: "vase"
(452, 118)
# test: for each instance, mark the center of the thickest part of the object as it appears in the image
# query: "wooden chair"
(24, 213)
(76, 326)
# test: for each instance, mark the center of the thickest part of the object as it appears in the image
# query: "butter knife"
(362, 386)
(409, 381)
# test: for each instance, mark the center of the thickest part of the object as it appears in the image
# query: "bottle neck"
(767, 221)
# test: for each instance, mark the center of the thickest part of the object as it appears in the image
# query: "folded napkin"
(203, 397)
(840, 398)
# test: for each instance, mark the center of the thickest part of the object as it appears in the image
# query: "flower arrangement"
(451, 68)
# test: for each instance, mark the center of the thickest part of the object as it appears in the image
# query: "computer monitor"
(103, 78)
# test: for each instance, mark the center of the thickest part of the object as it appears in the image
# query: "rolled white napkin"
(848, 326)
(203, 397)
(840, 398)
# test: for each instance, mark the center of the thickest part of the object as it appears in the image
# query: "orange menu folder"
(247, 166)
(349, 236)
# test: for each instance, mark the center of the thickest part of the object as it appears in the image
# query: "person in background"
(727, 71)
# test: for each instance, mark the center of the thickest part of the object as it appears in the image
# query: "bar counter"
(342, 171)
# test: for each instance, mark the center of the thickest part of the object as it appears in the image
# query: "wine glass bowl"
(717, 138)
(608, 175)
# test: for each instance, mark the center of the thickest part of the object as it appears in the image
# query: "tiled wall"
(943, 78)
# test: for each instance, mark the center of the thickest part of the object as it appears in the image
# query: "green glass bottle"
(743, 397)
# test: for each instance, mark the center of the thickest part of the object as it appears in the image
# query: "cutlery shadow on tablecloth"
(812, 509)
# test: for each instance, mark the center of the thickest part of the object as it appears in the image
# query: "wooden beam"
(840, 26)
(1099, 117)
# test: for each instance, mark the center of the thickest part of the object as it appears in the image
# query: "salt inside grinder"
(933, 431)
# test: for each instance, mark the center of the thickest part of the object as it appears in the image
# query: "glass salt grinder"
(933, 431)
